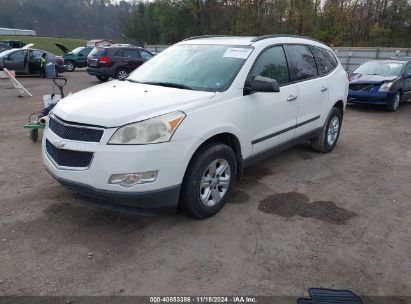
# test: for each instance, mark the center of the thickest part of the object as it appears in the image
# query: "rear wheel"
(121, 74)
(70, 66)
(393, 105)
(102, 78)
(209, 180)
(330, 133)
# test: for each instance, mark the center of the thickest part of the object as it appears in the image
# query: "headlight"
(385, 87)
(154, 130)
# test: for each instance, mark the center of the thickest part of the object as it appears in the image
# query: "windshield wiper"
(170, 85)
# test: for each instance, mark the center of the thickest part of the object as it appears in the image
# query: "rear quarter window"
(98, 52)
(325, 59)
(302, 63)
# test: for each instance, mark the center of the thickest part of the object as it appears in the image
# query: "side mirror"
(408, 75)
(262, 84)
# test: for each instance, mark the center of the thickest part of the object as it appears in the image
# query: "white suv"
(180, 129)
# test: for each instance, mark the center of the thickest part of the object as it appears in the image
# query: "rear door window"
(272, 64)
(131, 53)
(302, 63)
(119, 53)
(325, 60)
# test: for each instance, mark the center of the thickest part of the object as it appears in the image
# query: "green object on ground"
(32, 125)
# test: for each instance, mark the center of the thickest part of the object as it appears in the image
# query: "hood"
(362, 78)
(117, 103)
(63, 48)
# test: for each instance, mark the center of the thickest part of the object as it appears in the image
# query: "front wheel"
(394, 104)
(330, 133)
(209, 180)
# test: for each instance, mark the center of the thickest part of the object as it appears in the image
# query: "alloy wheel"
(214, 182)
(333, 129)
(397, 100)
(122, 74)
(70, 66)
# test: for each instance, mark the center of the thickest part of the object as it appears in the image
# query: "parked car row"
(115, 61)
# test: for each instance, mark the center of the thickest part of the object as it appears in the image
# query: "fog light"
(131, 179)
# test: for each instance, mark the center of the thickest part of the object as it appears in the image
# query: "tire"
(393, 105)
(121, 73)
(202, 202)
(34, 135)
(102, 78)
(330, 133)
(71, 66)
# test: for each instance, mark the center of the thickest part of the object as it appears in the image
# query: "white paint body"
(118, 103)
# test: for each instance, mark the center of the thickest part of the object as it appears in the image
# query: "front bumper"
(370, 97)
(170, 159)
(148, 202)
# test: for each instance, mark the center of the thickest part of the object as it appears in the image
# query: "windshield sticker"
(241, 53)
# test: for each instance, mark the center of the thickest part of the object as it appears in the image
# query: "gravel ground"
(298, 220)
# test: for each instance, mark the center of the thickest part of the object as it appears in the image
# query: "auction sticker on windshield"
(241, 53)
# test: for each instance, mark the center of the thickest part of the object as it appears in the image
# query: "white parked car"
(181, 128)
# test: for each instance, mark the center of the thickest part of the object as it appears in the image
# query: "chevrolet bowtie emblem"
(58, 144)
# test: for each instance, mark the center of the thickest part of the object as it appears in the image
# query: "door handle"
(291, 98)
(323, 89)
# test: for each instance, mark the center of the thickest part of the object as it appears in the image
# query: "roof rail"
(259, 38)
(206, 36)
(401, 58)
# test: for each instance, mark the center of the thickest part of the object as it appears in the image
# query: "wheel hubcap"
(397, 101)
(122, 74)
(214, 182)
(69, 66)
(333, 129)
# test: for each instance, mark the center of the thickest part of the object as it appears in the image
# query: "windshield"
(77, 50)
(5, 53)
(197, 67)
(380, 68)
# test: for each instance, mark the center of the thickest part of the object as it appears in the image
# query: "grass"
(47, 43)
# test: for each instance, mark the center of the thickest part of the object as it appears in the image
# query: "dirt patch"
(293, 203)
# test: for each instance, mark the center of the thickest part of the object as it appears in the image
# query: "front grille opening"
(68, 158)
(73, 132)
(361, 87)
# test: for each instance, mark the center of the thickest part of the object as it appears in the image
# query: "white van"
(181, 128)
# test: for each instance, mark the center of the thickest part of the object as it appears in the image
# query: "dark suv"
(116, 61)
